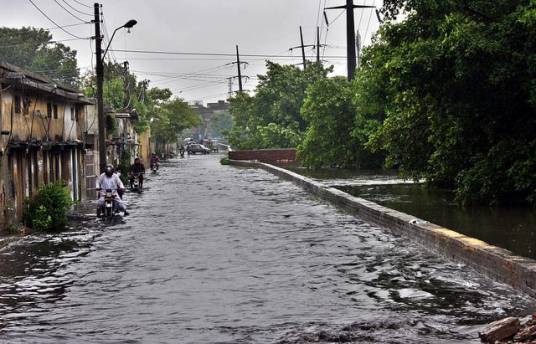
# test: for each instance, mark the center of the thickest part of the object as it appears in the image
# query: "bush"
(124, 167)
(47, 211)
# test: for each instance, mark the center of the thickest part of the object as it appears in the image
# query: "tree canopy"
(34, 49)
(456, 80)
(272, 117)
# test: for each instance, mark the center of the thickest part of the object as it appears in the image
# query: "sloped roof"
(13, 75)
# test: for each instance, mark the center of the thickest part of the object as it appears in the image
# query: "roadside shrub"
(225, 161)
(124, 166)
(47, 211)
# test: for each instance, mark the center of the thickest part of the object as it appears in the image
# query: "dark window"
(49, 110)
(17, 104)
(26, 105)
(56, 111)
(72, 114)
(77, 114)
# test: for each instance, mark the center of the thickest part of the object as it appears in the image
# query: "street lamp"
(128, 25)
(100, 80)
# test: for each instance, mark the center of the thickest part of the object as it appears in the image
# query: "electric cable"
(53, 22)
(71, 13)
(74, 9)
(160, 52)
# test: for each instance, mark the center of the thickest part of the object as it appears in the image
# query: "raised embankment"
(492, 261)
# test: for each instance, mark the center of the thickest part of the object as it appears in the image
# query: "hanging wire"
(77, 10)
(80, 3)
(53, 22)
(71, 13)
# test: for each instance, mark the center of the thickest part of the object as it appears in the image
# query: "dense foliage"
(33, 49)
(47, 211)
(455, 81)
(272, 118)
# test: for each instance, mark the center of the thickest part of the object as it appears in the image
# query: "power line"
(368, 25)
(50, 42)
(81, 3)
(53, 22)
(73, 8)
(71, 13)
(64, 26)
(160, 52)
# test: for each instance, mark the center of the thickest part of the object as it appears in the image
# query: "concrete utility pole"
(350, 34)
(239, 76)
(302, 49)
(318, 45)
(230, 87)
(240, 88)
(100, 82)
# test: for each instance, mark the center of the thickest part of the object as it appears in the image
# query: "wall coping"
(494, 262)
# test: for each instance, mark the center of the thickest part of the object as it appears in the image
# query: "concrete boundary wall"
(492, 261)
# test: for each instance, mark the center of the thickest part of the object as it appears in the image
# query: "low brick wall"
(492, 261)
(270, 156)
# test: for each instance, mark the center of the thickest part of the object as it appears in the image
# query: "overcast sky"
(266, 27)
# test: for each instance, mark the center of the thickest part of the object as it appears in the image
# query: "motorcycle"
(109, 204)
(154, 167)
(135, 182)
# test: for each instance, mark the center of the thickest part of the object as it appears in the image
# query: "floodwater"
(513, 228)
(217, 254)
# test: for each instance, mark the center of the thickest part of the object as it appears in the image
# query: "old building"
(43, 139)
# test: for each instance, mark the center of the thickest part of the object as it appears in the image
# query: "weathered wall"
(273, 156)
(42, 143)
(494, 262)
(145, 147)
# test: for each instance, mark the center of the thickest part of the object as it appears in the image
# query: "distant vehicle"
(197, 148)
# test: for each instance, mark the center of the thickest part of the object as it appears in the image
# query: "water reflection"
(513, 228)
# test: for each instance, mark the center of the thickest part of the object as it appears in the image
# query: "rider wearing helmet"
(110, 181)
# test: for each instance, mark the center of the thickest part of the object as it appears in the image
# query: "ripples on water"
(215, 254)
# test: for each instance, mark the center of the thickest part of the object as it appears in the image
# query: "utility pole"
(318, 45)
(100, 82)
(239, 76)
(302, 46)
(230, 87)
(240, 88)
(302, 49)
(350, 34)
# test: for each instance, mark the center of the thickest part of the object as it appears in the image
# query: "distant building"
(207, 112)
(45, 134)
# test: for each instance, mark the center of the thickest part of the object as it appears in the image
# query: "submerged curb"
(495, 262)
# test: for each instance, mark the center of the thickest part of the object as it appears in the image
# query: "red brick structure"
(270, 156)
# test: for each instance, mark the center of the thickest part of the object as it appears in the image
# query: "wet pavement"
(218, 254)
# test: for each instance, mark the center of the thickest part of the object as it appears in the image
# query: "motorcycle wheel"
(108, 212)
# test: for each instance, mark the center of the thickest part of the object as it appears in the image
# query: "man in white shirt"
(110, 181)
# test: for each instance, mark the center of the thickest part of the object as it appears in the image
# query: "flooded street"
(218, 254)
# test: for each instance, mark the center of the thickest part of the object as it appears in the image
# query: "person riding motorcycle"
(154, 161)
(137, 169)
(110, 181)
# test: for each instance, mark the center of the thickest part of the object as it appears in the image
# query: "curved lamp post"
(100, 81)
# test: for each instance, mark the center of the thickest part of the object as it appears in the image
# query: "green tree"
(460, 95)
(170, 119)
(336, 134)
(33, 49)
(274, 111)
